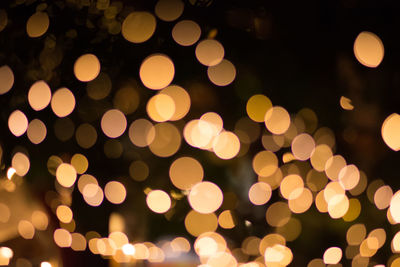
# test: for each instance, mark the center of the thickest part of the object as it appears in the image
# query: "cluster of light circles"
(311, 174)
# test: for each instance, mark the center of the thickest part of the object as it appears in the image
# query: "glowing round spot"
(338, 206)
(93, 194)
(141, 132)
(186, 32)
(303, 146)
(167, 140)
(226, 145)
(139, 170)
(354, 210)
(278, 214)
(160, 108)
(115, 192)
(158, 201)
(332, 255)
(84, 180)
(62, 238)
(113, 123)
(257, 106)
(64, 214)
(17, 123)
(6, 79)
(86, 135)
(181, 100)
(87, 68)
(37, 24)
(36, 131)
(26, 229)
(320, 156)
(126, 99)
(225, 220)
(289, 186)
(391, 131)
(169, 10)
(368, 49)
(383, 196)
(205, 197)
(277, 120)
(80, 163)
(78, 242)
(185, 172)
(138, 27)
(128, 249)
(21, 164)
(260, 193)
(222, 74)
(198, 223)
(349, 176)
(333, 166)
(356, 234)
(265, 163)
(209, 52)
(157, 71)
(100, 87)
(66, 175)
(39, 95)
(63, 102)
(301, 201)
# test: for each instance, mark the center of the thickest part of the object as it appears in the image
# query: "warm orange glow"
(66, 175)
(115, 192)
(113, 123)
(186, 32)
(185, 172)
(39, 95)
(226, 145)
(222, 74)
(158, 201)
(37, 24)
(169, 10)
(205, 197)
(260, 193)
(6, 79)
(87, 68)
(391, 131)
(277, 120)
(157, 71)
(332, 255)
(209, 52)
(36, 131)
(63, 102)
(138, 27)
(368, 49)
(17, 123)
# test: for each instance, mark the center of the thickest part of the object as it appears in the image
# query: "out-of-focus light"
(368, 49)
